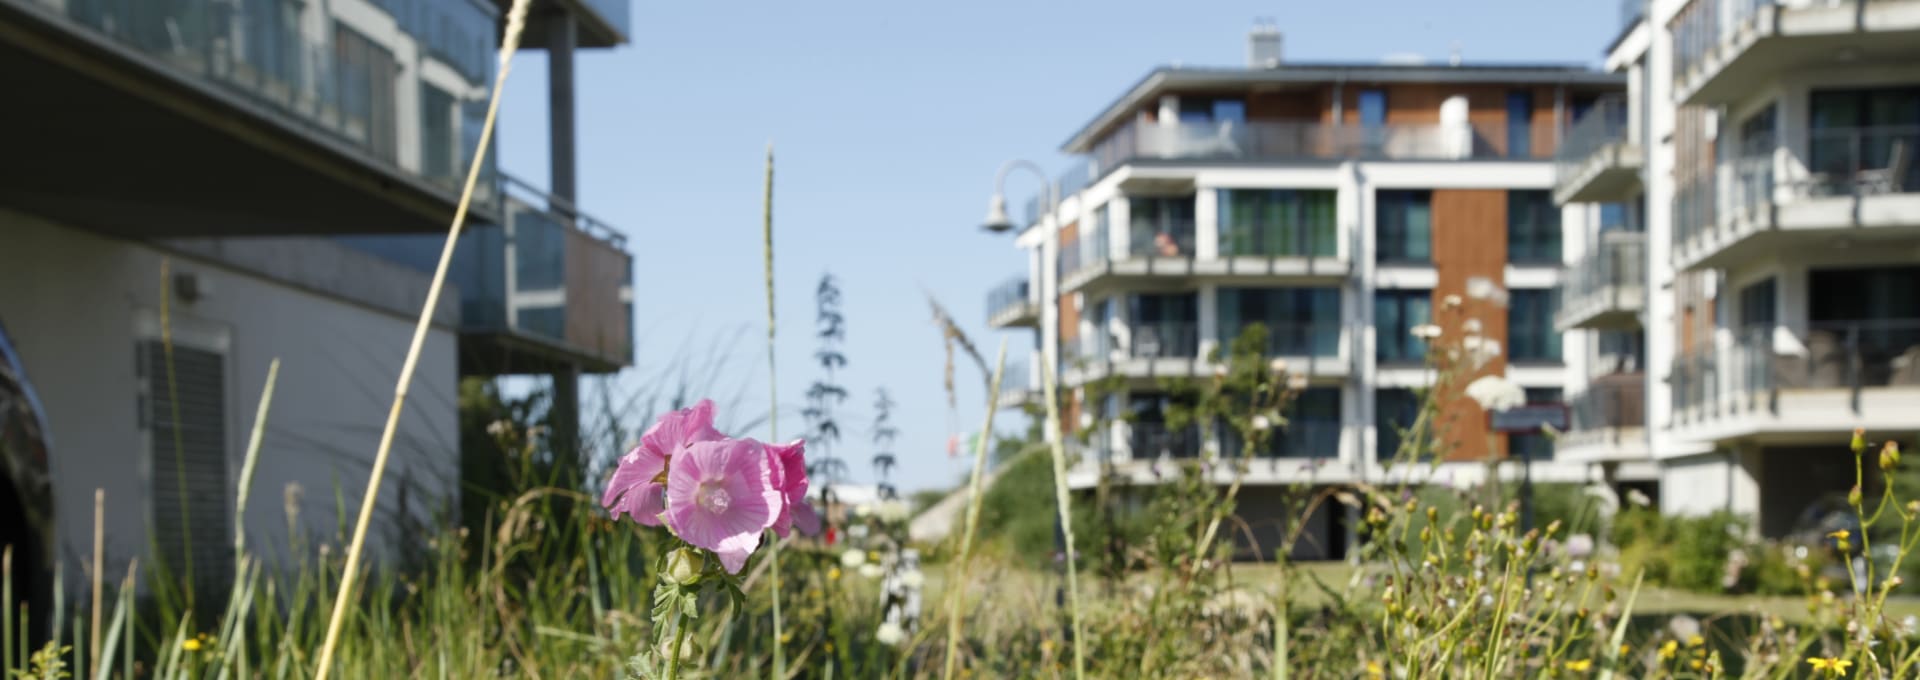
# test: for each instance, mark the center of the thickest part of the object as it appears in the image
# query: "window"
(1756, 133)
(1519, 124)
(188, 457)
(1627, 216)
(1395, 313)
(1164, 325)
(437, 135)
(1757, 304)
(1151, 438)
(1534, 446)
(1533, 228)
(1312, 429)
(1277, 222)
(1395, 410)
(1530, 334)
(1206, 110)
(1373, 108)
(272, 39)
(366, 80)
(1620, 352)
(1161, 227)
(1299, 321)
(1865, 294)
(1403, 226)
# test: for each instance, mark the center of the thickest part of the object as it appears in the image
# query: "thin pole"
(99, 559)
(773, 411)
(516, 22)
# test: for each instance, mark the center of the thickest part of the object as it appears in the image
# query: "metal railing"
(1862, 161)
(1694, 212)
(1280, 240)
(1164, 340)
(1605, 125)
(1611, 401)
(1009, 295)
(1619, 261)
(1150, 439)
(1761, 361)
(1294, 339)
(1290, 140)
(1302, 438)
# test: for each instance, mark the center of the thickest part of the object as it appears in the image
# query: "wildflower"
(871, 570)
(891, 511)
(833, 574)
(863, 510)
(1495, 393)
(1375, 670)
(1668, 649)
(1890, 456)
(191, 644)
(1859, 444)
(1296, 382)
(1625, 649)
(1260, 423)
(1483, 288)
(1695, 641)
(1278, 365)
(1426, 331)
(852, 558)
(789, 462)
(684, 567)
(1470, 326)
(1854, 497)
(912, 578)
(1451, 301)
(720, 496)
(639, 485)
(498, 429)
(890, 634)
(1580, 665)
(1840, 538)
(1831, 667)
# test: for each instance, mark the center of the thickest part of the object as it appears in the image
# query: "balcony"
(1303, 438)
(1828, 188)
(1606, 289)
(1726, 50)
(1598, 161)
(597, 23)
(1777, 384)
(1147, 350)
(299, 122)
(1609, 421)
(549, 288)
(1011, 305)
(1149, 439)
(1271, 140)
(1155, 247)
(1019, 386)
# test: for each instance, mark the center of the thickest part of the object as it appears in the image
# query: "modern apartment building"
(1339, 205)
(270, 179)
(1763, 261)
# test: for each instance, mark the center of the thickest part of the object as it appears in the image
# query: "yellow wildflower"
(1625, 649)
(1831, 667)
(191, 645)
(1842, 534)
(1669, 649)
(1580, 665)
(1375, 670)
(833, 574)
(1696, 641)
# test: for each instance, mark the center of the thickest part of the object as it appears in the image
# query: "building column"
(1206, 223)
(562, 36)
(564, 417)
(1207, 302)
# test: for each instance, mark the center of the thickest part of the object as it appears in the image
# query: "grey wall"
(76, 302)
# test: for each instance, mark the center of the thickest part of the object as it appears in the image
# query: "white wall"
(74, 301)
(1701, 484)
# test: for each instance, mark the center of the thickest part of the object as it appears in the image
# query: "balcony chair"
(1887, 180)
(1906, 367)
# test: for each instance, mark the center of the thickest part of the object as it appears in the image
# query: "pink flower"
(790, 477)
(721, 496)
(638, 487)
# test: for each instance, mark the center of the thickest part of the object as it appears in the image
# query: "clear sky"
(889, 121)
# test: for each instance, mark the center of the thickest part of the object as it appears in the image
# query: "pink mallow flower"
(639, 485)
(790, 477)
(721, 497)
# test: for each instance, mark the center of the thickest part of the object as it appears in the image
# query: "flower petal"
(636, 468)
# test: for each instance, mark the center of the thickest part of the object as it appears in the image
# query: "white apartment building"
(1762, 269)
(1338, 205)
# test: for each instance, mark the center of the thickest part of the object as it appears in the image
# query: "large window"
(1203, 110)
(1395, 410)
(1757, 304)
(1161, 227)
(1403, 226)
(1854, 130)
(1534, 446)
(1881, 294)
(1164, 325)
(1151, 438)
(1277, 222)
(438, 137)
(1312, 429)
(1530, 333)
(366, 78)
(1395, 314)
(1299, 321)
(1533, 228)
(1519, 124)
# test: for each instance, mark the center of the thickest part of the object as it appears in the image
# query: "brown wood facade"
(1469, 240)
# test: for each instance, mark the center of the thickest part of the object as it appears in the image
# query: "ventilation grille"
(194, 462)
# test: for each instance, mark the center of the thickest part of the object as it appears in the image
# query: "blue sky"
(889, 121)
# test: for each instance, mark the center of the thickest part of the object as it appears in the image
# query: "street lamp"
(997, 220)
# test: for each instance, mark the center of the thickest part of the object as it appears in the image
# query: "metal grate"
(196, 523)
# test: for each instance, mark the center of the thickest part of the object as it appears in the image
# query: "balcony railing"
(1612, 278)
(1226, 140)
(1849, 162)
(1295, 339)
(1009, 299)
(1862, 161)
(1303, 438)
(1762, 361)
(1600, 141)
(1154, 440)
(1161, 238)
(1279, 240)
(1165, 340)
(304, 71)
(1610, 402)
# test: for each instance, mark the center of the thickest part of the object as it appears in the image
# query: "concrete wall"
(77, 302)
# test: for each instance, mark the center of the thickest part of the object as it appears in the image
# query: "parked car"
(26, 492)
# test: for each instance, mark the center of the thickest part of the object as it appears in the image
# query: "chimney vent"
(1263, 44)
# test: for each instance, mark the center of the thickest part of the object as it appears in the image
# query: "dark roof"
(1171, 78)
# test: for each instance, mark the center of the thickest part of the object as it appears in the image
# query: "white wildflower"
(1636, 497)
(1296, 382)
(863, 510)
(852, 558)
(1426, 331)
(1483, 288)
(912, 578)
(1260, 423)
(1470, 326)
(871, 570)
(1278, 365)
(1450, 301)
(890, 634)
(891, 511)
(1496, 393)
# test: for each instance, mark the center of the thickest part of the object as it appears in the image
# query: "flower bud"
(1890, 456)
(1854, 497)
(1859, 444)
(684, 567)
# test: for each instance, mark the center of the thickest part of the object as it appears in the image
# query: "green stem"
(679, 640)
(773, 411)
(958, 586)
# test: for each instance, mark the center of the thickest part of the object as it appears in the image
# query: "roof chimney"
(1263, 44)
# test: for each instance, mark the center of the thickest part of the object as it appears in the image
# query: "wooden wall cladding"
(596, 318)
(1469, 240)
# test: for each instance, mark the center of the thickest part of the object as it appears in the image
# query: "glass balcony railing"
(1279, 240)
(1150, 439)
(1851, 355)
(1302, 438)
(1610, 278)
(1610, 402)
(1165, 340)
(308, 72)
(1283, 140)
(1161, 238)
(1837, 162)
(1010, 297)
(1295, 339)
(1603, 126)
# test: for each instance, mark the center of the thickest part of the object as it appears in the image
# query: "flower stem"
(679, 640)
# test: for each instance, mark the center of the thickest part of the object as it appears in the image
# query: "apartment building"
(270, 179)
(1339, 205)
(1765, 263)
